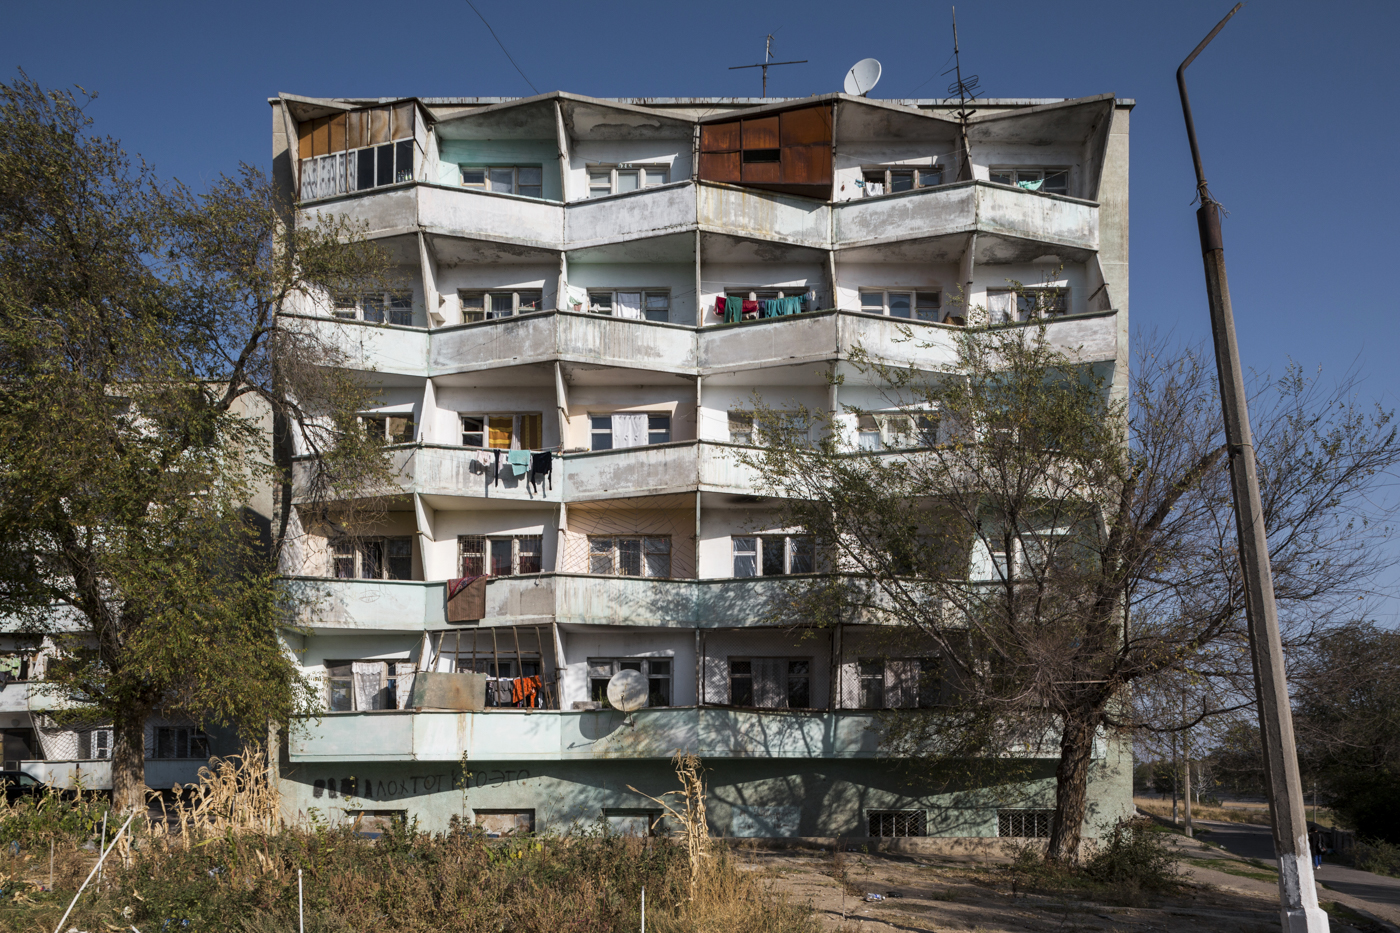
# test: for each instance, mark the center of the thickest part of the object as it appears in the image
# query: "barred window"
(1024, 824)
(500, 556)
(889, 823)
(629, 556)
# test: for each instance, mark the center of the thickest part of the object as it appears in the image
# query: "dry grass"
(1258, 816)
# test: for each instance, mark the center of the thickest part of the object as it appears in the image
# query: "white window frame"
(877, 431)
(654, 428)
(656, 545)
(1033, 303)
(482, 546)
(601, 670)
(649, 175)
(336, 173)
(488, 183)
(486, 310)
(925, 304)
(356, 550)
(517, 422)
(655, 302)
(393, 307)
(920, 176)
(783, 548)
(381, 424)
(1018, 176)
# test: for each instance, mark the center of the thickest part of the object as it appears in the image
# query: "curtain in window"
(902, 683)
(629, 304)
(770, 683)
(629, 430)
(369, 684)
(1001, 306)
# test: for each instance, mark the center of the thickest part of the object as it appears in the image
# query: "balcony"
(764, 215)
(968, 207)
(650, 212)
(565, 336)
(367, 605)
(685, 466)
(14, 697)
(551, 735)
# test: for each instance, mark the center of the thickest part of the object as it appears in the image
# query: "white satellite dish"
(627, 691)
(862, 77)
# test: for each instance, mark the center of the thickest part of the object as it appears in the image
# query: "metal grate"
(887, 823)
(1025, 824)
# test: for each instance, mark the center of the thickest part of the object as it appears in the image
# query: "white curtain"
(902, 683)
(369, 684)
(1001, 306)
(629, 304)
(629, 430)
(769, 683)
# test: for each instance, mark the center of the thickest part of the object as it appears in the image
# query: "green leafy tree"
(151, 385)
(1056, 546)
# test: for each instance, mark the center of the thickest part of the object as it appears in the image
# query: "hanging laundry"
(750, 309)
(719, 307)
(524, 691)
(733, 310)
(541, 469)
(519, 461)
(577, 295)
(768, 307)
(466, 599)
(496, 453)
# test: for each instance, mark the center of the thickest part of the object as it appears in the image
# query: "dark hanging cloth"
(541, 470)
(497, 452)
(466, 599)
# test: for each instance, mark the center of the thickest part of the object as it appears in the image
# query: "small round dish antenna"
(862, 77)
(627, 691)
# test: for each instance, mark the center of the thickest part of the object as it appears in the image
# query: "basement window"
(372, 558)
(891, 824)
(524, 180)
(497, 823)
(1045, 180)
(629, 176)
(657, 671)
(770, 683)
(1025, 824)
(500, 555)
(636, 823)
(630, 556)
(493, 305)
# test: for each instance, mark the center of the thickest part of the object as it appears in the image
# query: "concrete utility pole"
(1298, 907)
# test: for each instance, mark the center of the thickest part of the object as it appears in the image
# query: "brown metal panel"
(719, 137)
(304, 139)
(807, 165)
(378, 125)
(354, 129)
(337, 126)
(759, 172)
(805, 127)
(403, 121)
(321, 137)
(719, 166)
(761, 133)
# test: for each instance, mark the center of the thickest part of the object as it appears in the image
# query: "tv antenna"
(767, 63)
(965, 89)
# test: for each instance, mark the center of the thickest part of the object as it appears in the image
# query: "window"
(629, 556)
(524, 180)
(617, 179)
(374, 823)
(770, 683)
(396, 429)
(872, 683)
(741, 427)
(887, 824)
(493, 305)
(1047, 180)
(500, 556)
(340, 685)
(628, 429)
(523, 431)
(889, 179)
(772, 555)
(1025, 824)
(377, 308)
(652, 305)
(95, 743)
(1007, 305)
(497, 823)
(637, 823)
(353, 686)
(372, 558)
(357, 150)
(174, 742)
(896, 431)
(657, 671)
(922, 306)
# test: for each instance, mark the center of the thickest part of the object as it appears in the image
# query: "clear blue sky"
(1295, 105)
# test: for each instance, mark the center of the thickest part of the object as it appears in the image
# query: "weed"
(1379, 856)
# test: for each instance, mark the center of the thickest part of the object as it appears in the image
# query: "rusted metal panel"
(432, 690)
(761, 133)
(805, 127)
(337, 133)
(719, 166)
(807, 165)
(762, 173)
(719, 137)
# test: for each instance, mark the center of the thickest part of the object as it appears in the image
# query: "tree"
(1056, 545)
(145, 350)
(1347, 701)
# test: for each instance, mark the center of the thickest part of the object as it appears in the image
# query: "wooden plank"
(321, 137)
(761, 133)
(806, 127)
(337, 132)
(719, 137)
(403, 121)
(304, 138)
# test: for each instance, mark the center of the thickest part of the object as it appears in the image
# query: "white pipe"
(100, 860)
(301, 917)
(644, 910)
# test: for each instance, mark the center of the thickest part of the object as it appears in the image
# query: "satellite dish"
(627, 691)
(862, 77)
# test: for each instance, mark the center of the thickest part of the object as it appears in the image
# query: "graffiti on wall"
(411, 785)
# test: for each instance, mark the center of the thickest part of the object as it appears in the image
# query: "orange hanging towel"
(524, 690)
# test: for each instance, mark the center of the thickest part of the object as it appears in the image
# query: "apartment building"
(589, 296)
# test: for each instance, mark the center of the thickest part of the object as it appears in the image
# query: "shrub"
(1133, 855)
(1378, 856)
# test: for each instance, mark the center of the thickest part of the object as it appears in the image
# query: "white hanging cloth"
(629, 304)
(404, 674)
(1001, 306)
(629, 430)
(369, 684)
(576, 295)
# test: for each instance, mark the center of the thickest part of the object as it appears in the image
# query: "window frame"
(648, 294)
(649, 667)
(182, 742)
(612, 169)
(520, 434)
(523, 547)
(783, 690)
(925, 304)
(393, 307)
(887, 173)
(486, 182)
(914, 822)
(605, 417)
(614, 552)
(876, 432)
(386, 419)
(1032, 173)
(762, 544)
(360, 548)
(474, 314)
(1040, 820)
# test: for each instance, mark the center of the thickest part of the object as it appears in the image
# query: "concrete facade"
(633, 555)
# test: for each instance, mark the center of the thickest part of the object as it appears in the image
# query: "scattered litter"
(874, 897)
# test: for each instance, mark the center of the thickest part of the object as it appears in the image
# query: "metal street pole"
(1298, 907)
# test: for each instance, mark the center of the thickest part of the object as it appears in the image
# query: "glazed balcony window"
(772, 555)
(896, 431)
(629, 429)
(1047, 180)
(356, 151)
(915, 305)
(652, 305)
(890, 179)
(1008, 305)
(770, 683)
(175, 742)
(516, 431)
(657, 671)
(372, 558)
(524, 180)
(630, 555)
(500, 555)
(378, 308)
(629, 176)
(396, 429)
(493, 305)
(355, 686)
(899, 683)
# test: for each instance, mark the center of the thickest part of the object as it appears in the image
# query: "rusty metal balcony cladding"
(603, 340)
(1071, 224)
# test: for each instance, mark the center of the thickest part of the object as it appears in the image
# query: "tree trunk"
(129, 761)
(1071, 791)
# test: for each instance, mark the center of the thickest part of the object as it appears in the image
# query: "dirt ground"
(923, 894)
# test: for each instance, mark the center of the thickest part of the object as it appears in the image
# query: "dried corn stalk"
(692, 819)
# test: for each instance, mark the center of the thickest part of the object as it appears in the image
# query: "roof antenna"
(965, 89)
(766, 63)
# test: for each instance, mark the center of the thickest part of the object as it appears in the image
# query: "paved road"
(1258, 842)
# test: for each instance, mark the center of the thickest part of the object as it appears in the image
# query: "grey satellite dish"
(862, 77)
(627, 691)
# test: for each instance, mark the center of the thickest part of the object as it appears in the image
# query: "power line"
(501, 44)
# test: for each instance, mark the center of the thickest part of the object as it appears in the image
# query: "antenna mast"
(767, 63)
(966, 92)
